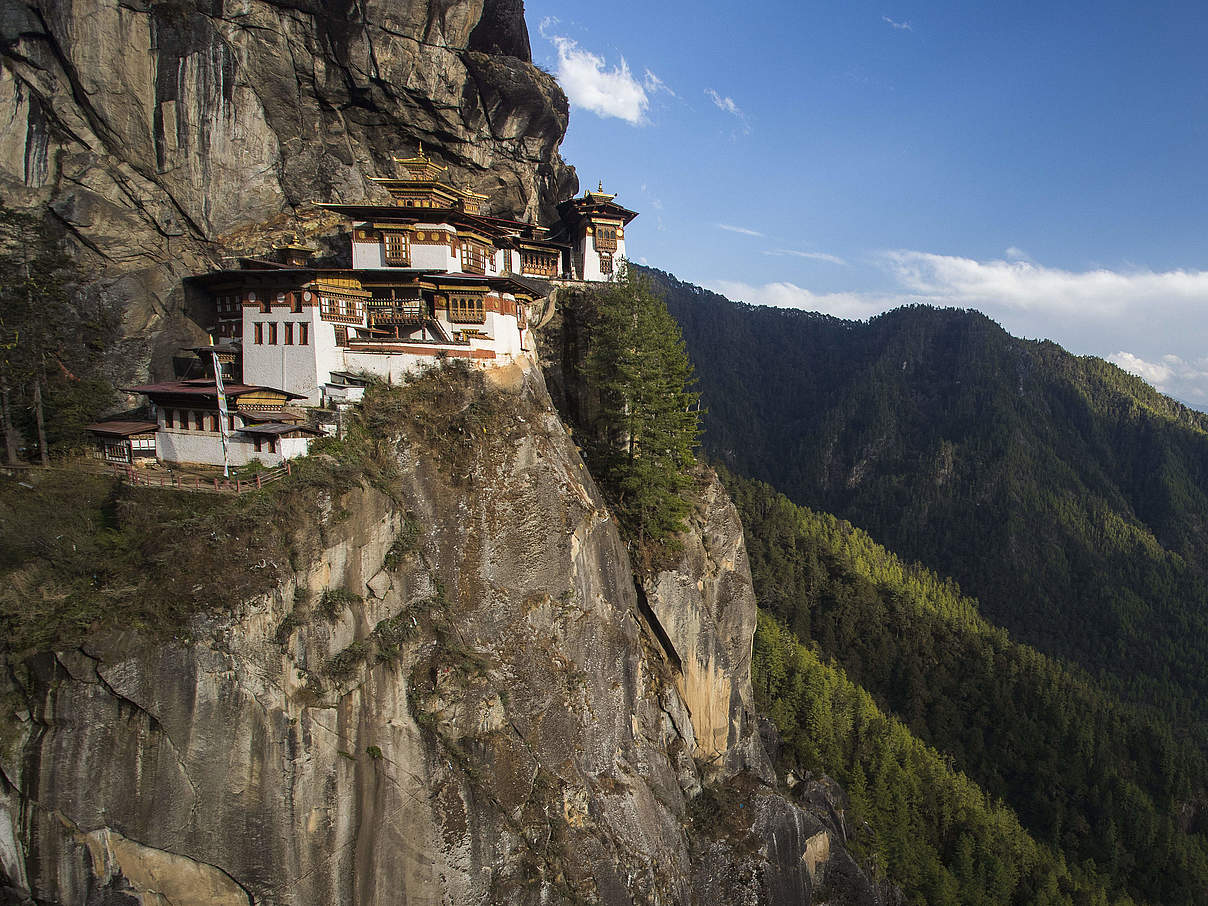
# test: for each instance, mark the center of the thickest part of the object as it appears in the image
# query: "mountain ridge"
(1064, 494)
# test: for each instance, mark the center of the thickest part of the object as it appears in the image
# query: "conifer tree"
(649, 418)
(60, 342)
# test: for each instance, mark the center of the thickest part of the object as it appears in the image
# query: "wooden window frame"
(168, 421)
(258, 333)
(467, 308)
(272, 333)
(474, 257)
(288, 338)
(303, 334)
(396, 248)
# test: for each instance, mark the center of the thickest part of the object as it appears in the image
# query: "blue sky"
(1044, 163)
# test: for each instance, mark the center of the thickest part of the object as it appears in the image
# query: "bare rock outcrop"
(161, 136)
(458, 700)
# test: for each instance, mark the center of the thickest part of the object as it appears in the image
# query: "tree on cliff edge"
(60, 342)
(649, 418)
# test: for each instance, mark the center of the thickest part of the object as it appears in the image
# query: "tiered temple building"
(432, 277)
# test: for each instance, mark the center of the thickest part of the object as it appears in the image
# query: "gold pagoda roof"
(421, 167)
(599, 196)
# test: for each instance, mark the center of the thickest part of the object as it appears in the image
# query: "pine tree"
(649, 418)
(60, 342)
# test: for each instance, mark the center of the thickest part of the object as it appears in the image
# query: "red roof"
(204, 387)
(123, 428)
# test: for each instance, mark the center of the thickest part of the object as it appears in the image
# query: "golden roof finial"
(600, 186)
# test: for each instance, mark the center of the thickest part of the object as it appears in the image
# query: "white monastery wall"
(436, 257)
(293, 366)
(205, 448)
(368, 255)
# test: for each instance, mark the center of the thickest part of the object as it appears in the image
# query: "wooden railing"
(175, 482)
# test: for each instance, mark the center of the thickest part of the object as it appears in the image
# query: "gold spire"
(421, 167)
(599, 195)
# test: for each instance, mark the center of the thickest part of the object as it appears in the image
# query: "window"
(467, 308)
(396, 250)
(266, 307)
(303, 334)
(168, 418)
(289, 334)
(198, 425)
(295, 303)
(541, 264)
(605, 263)
(473, 257)
(230, 422)
(214, 421)
(272, 333)
(606, 238)
(341, 336)
(259, 329)
(258, 443)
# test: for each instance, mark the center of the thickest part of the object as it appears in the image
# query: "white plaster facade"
(205, 448)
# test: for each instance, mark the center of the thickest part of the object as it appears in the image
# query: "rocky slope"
(163, 135)
(462, 697)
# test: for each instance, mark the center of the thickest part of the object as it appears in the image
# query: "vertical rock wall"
(458, 701)
(160, 136)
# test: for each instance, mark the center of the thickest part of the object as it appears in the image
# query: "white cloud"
(1171, 375)
(1026, 286)
(653, 84)
(813, 256)
(1157, 374)
(900, 26)
(737, 229)
(790, 295)
(1157, 316)
(589, 85)
(726, 104)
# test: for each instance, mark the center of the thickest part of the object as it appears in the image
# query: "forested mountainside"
(1069, 497)
(1103, 784)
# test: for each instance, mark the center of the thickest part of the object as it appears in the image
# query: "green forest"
(1105, 784)
(1067, 496)
(1029, 730)
(928, 827)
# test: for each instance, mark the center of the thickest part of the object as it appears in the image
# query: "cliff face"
(163, 135)
(460, 699)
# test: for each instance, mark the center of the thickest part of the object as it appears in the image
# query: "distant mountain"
(1068, 496)
(1105, 784)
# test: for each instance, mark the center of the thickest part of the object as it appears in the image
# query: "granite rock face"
(460, 700)
(161, 136)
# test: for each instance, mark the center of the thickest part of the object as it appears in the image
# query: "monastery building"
(432, 277)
